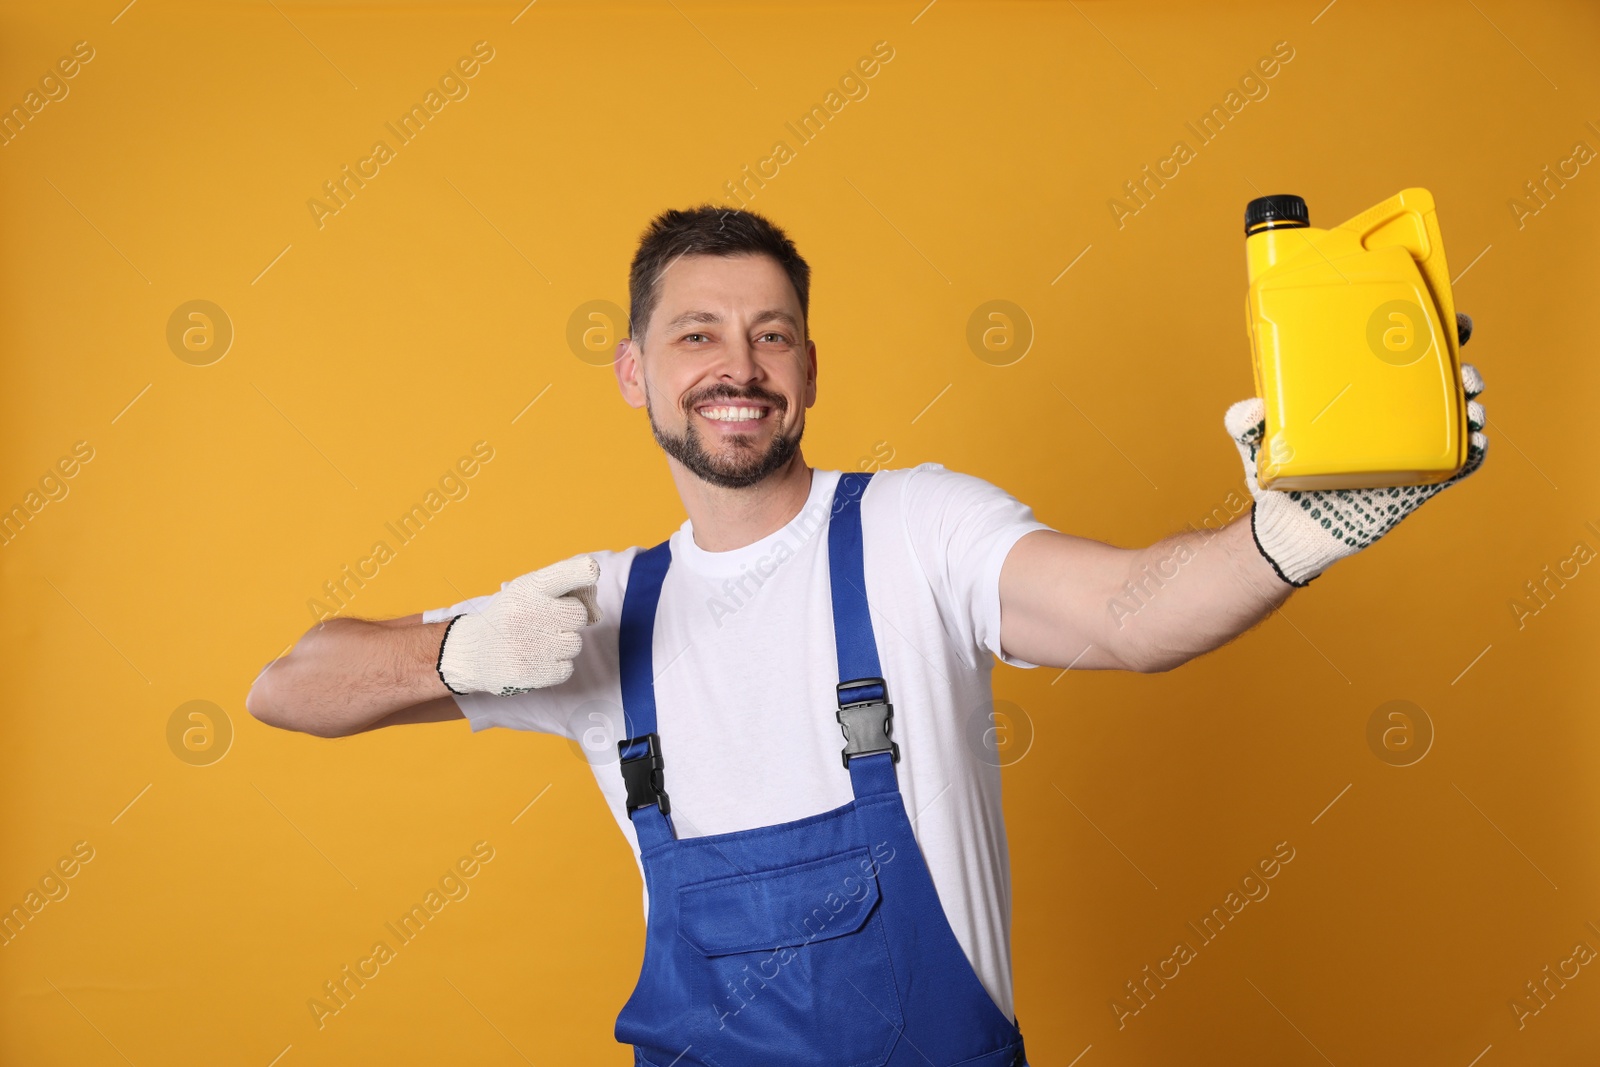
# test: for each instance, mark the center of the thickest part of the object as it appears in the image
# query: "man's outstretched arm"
(347, 676)
(1072, 602)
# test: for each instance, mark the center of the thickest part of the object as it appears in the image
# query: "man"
(795, 918)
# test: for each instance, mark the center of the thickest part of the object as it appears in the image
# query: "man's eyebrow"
(711, 318)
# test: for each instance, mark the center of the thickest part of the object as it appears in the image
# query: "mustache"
(777, 403)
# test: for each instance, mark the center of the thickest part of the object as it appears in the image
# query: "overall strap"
(865, 714)
(640, 748)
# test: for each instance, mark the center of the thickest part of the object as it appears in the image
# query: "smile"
(733, 413)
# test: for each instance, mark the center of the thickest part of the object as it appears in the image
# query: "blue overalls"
(818, 942)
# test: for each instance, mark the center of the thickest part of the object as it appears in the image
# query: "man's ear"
(629, 373)
(811, 359)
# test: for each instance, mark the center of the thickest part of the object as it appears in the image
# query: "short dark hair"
(708, 230)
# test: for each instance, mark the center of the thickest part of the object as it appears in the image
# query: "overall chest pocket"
(790, 967)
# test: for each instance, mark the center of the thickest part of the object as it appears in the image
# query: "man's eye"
(779, 336)
(689, 335)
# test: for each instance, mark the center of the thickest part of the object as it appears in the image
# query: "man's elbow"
(267, 705)
(263, 706)
(257, 702)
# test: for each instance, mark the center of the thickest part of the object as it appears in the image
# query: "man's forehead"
(698, 295)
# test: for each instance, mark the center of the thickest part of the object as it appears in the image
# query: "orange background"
(431, 311)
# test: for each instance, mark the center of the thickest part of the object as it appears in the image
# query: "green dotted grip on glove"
(1302, 531)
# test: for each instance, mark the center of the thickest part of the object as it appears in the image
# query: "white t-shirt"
(747, 676)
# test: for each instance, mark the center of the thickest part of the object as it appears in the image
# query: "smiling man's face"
(726, 372)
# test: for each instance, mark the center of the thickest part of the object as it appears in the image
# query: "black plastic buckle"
(642, 774)
(866, 723)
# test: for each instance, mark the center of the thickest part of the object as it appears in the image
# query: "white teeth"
(732, 414)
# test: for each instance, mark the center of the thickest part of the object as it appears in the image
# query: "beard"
(737, 463)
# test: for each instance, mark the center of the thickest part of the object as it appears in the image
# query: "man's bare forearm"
(346, 674)
(1192, 592)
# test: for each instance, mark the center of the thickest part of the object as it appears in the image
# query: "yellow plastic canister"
(1356, 356)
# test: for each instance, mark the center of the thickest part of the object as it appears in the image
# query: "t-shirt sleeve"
(961, 528)
(563, 708)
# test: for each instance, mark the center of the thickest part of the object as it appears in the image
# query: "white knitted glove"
(527, 635)
(1302, 531)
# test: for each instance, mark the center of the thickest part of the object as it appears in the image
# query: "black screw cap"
(1279, 210)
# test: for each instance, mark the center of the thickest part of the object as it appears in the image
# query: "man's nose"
(738, 361)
